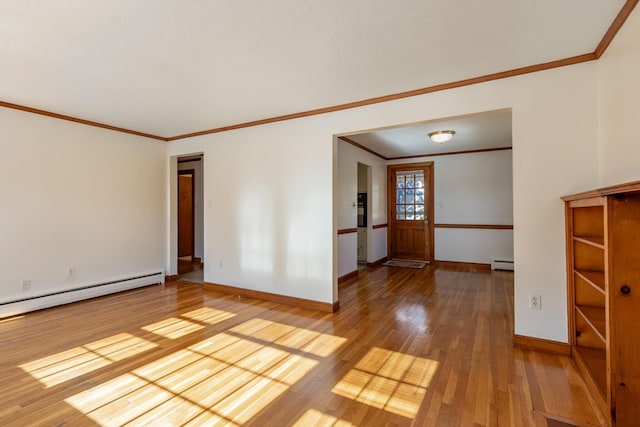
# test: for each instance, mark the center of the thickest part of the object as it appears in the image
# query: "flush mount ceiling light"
(442, 136)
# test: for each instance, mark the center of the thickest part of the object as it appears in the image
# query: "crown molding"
(415, 156)
(596, 54)
(362, 147)
(78, 120)
(380, 99)
(615, 27)
(451, 153)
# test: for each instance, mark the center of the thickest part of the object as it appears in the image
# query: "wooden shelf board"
(596, 241)
(596, 361)
(594, 278)
(595, 317)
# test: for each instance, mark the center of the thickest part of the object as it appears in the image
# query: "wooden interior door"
(410, 202)
(185, 214)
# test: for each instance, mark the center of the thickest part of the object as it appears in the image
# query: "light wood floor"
(430, 347)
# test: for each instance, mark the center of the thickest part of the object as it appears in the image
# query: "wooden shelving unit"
(603, 283)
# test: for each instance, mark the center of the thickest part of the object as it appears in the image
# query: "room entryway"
(186, 220)
(190, 219)
(363, 214)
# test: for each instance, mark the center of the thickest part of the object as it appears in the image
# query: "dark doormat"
(405, 263)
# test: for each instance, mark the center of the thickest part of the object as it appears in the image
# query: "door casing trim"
(391, 191)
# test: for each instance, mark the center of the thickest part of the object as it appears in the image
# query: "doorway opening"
(468, 205)
(190, 219)
(363, 213)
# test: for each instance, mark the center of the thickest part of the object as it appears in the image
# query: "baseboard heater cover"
(501, 264)
(25, 305)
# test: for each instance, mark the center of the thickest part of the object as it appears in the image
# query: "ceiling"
(172, 67)
(477, 132)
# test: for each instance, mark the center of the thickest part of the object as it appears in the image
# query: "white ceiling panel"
(169, 67)
(483, 131)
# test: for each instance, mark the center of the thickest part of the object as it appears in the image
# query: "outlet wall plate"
(535, 301)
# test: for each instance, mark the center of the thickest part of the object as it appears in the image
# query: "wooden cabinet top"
(629, 187)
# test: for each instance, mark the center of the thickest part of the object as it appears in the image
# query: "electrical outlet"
(25, 285)
(71, 271)
(535, 301)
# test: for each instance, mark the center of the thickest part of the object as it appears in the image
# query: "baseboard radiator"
(24, 305)
(501, 264)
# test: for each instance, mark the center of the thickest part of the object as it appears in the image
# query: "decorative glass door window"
(410, 195)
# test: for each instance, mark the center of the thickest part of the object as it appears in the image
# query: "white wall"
(198, 212)
(347, 253)
(268, 208)
(619, 93)
(273, 224)
(472, 188)
(347, 194)
(362, 178)
(346, 206)
(377, 244)
(77, 196)
(473, 245)
(363, 187)
(347, 186)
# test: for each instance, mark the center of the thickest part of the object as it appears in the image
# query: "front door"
(410, 201)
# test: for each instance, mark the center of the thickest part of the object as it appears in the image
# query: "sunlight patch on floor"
(225, 379)
(64, 366)
(208, 315)
(249, 400)
(313, 342)
(173, 327)
(388, 380)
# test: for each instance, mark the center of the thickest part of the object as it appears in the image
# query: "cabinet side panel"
(570, 275)
(624, 309)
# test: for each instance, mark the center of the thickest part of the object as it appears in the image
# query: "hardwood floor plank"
(408, 347)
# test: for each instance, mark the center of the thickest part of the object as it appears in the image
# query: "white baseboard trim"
(38, 302)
